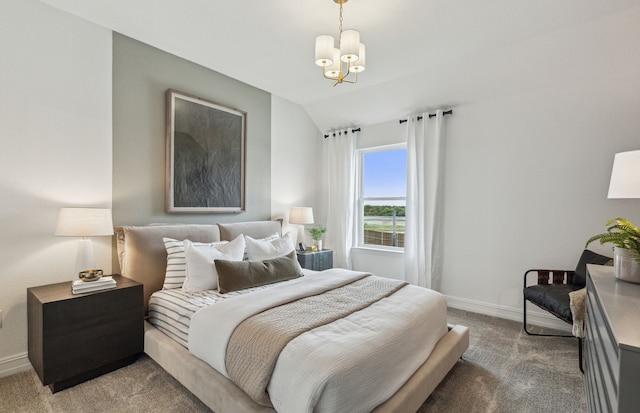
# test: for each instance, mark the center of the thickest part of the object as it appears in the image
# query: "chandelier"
(349, 52)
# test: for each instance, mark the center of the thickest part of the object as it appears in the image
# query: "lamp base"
(85, 260)
(300, 236)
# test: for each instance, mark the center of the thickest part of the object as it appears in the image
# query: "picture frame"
(205, 155)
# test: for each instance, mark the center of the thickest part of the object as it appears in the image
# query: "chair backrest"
(588, 257)
(556, 277)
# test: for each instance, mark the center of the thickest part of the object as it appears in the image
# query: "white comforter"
(351, 365)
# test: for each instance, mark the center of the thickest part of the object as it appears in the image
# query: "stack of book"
(104, 283)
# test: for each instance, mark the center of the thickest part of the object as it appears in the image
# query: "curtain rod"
(431, 115)
(334, 134)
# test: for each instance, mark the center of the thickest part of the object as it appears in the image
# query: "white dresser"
(612, 371)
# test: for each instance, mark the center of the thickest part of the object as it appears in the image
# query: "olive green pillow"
(238, 275)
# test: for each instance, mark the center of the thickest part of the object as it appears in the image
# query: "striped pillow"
(176, 271)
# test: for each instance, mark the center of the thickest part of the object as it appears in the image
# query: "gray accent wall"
(141, 76)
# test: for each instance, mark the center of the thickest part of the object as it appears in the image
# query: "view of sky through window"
(385, 173)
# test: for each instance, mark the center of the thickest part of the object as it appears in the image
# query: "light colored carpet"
(504, 370)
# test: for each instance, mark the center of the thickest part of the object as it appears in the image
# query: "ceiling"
(421, 54)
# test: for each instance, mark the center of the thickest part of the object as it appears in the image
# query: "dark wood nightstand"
(318, 260)
(76, 337)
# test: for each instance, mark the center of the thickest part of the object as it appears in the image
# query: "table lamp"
(301, 216)
(84, 222)
(625, 175)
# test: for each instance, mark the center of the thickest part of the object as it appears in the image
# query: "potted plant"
(626, 252)
(317, 233)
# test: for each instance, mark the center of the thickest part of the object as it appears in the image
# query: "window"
(382, 196)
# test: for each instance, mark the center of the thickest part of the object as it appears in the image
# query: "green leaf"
(317, 232)
(621, 233)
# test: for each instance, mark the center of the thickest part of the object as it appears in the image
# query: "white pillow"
(269, 238)
(201, 271)
(260, 249)
(176, 270)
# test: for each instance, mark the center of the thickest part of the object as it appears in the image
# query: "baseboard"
(14, 364)
(534, 317)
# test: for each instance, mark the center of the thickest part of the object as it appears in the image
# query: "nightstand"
(76, 337)
(318, 260)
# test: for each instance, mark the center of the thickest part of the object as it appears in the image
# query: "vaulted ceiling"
(421, 54)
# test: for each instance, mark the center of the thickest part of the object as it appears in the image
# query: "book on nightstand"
(104, 283)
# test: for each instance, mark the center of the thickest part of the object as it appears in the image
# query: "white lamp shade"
(301, 215)
(84, 222)
(324, 50)
(333, 71)
(625, 175)
(349, 45)
(360, 64)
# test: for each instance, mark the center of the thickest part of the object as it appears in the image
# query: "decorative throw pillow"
(176, 263)
(201, 273)
(266, 249)
(269, 238)
(238, 275)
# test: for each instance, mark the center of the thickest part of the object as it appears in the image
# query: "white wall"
(526, 185)
(296, 147)
(55, 150)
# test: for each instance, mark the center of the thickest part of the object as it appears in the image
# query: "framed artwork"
(205, 156)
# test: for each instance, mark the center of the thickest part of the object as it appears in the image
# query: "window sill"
(377, 251)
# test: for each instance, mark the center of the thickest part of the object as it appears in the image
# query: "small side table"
(76, 337)
(317, 261)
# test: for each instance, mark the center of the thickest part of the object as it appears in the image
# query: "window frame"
(360, 199)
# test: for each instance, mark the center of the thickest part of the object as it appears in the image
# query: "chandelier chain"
(340, 32)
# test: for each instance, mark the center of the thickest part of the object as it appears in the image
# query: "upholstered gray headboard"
(142, 255)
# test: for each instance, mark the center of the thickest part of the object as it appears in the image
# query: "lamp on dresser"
(85, 223)
(624, 184)
(625, 175)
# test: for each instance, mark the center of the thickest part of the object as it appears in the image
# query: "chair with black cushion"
(551, 292)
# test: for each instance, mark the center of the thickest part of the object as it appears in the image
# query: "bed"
(143, 257)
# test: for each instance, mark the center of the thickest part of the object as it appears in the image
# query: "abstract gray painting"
(205, 154)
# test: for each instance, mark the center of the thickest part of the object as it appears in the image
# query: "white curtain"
(425, 166)
(340, 166)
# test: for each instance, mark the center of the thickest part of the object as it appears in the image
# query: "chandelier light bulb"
(360, 64)
(324, 50)
(333, 71)
(349, 45)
